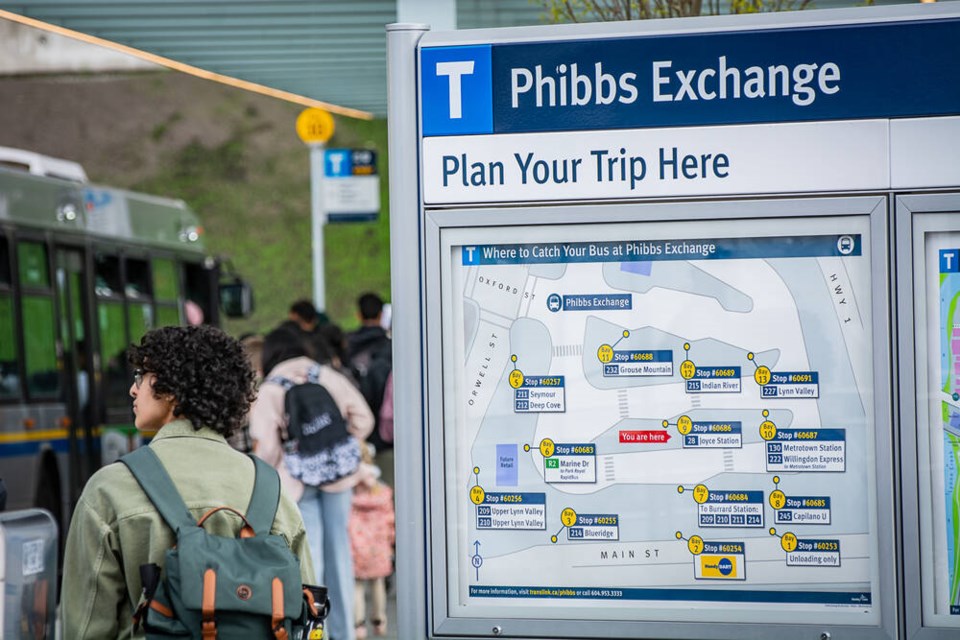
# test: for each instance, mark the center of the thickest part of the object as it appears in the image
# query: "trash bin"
(28, 575)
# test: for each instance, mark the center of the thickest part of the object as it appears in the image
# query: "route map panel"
(942, 446)
(659, 419)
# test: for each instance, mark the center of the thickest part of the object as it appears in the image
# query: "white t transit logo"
(336, 162)
(453, 71)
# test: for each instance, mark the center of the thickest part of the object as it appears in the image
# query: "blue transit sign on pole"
(351, 185)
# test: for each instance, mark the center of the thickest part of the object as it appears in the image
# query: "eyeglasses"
(138, 377)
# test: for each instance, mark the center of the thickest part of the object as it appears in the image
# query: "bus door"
(118, 435)
(41, 437)
(200, 280)
(74, 305)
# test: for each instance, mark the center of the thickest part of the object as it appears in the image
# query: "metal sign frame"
(917, 217)
(416, 229)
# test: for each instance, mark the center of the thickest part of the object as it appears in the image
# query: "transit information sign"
(939, 441)
(661, 420)
(659, 115)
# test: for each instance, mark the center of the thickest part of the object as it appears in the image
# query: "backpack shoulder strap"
(265, 498)
(156, 483)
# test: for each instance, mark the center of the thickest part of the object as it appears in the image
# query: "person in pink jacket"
(325, 509)
(372, 534)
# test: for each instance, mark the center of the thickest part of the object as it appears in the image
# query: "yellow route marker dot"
(314, 125)
(680, 490)
(750, 356)
(516, 378)
(788, 542)
(526, 447)
(686, 346)
(768, 430)
(773, 531)
(684, 425)
(546, 447)
(765, 413)
(778, 499)
(605, 353)
(700, 493)
(679, 535)
(687, 369)
(553, 539)
(626, 333)
(761, 375)
(695, 545)
(568, 517)
(476, 469)
(776, 479)
(513, 358)
(477, 494)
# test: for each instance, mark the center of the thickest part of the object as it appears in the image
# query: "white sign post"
(315, 126)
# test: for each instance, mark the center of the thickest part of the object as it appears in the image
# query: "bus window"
(200, 306)
(69, 279)
(166, 290)
(112, 325)
(9, 377)
(39, 342)
(43, 379)
(167, 316)
(138, 279)
(166, 287)
(113, 352)
(5, 279)
(140, 317)
(33, 265)
(139, 291)
(106, 275)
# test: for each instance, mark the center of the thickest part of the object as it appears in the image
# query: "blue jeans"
(325, 516)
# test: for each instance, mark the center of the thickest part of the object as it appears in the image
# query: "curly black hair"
(204, 369)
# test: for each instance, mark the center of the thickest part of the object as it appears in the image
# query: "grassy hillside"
(233, 156)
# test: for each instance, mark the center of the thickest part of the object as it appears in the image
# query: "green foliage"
(614, 10)
(160, 130)
(767, 6)
(254, 203)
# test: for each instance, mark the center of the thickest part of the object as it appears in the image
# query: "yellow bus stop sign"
(314, 125)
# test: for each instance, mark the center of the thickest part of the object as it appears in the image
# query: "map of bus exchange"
(645, 422)
(950, 404)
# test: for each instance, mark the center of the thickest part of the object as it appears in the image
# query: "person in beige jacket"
(325, 509)
(195, 386)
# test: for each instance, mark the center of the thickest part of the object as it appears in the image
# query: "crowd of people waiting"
(336, 508)
(356, 369)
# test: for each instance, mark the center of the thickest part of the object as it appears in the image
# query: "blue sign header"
(879, 70)
(630, 251)
(347, 163)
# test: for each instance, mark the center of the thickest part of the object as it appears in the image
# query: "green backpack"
(217, 587)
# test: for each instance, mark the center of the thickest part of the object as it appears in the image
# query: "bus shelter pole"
(318, 218)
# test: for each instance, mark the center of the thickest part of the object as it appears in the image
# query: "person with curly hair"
(193, 386)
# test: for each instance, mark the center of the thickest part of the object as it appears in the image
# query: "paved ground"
(391, 619)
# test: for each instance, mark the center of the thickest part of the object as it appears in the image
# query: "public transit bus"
(85, 270)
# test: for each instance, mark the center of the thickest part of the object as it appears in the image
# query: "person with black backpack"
(187, 536)
(370, 360)
(308, 422)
